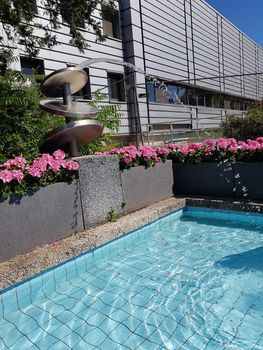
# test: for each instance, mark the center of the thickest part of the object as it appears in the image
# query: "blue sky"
(247, 15)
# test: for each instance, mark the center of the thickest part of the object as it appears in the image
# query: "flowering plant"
(218, 150)
(19, 176)
(211, 150)
(131, 156)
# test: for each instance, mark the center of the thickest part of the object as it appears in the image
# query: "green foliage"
(22, 122)
(112, 216)
(109, 116)
(17, 18)
(248, 127)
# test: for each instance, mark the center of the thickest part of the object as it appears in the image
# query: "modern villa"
(209, 67)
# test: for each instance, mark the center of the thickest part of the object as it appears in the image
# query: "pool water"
(191, 280)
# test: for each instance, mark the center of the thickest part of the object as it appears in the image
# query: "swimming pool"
(191, 280)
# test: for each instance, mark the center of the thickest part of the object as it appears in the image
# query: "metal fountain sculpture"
(81, 126)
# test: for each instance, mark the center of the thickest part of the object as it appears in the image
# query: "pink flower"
(54, 165)
(259, 139)
(72, 165)
(162, 151)
(59, 154)
(6, 176)
(35, 171)
(18, 162)
(127, 160)
(17, 175)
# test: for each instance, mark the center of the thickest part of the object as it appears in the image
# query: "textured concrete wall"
(100, 186)
(142, 187)
(52, 213)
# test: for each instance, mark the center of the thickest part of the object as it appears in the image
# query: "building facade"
(208, 67)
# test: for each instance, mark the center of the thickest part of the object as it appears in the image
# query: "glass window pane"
(116, 87)
(108, 28)
(173, 93)
(192, 97)
(215, 101)
(227, 103)
(201, 98)
(162, 96)
(182, 94)
(31, 66)
(111, 24)
(208, 100)
(221, 101)
(151, 92)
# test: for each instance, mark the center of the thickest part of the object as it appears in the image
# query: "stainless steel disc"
(75, 77)
(74, 110)
(81, 131)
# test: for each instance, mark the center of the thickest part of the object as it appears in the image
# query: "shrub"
(248, 127)
(22, 122)
(109, 116)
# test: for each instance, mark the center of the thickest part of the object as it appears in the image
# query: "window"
(182, 94)
(192, 97)
(162, 96)
(151, 92)
(111, 24)
(227, 104)
(85, 92)
(172, 93)
(201, 97)
(32, 66)
(208, 99)
(116, 87)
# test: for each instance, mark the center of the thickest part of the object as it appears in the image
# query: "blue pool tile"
(95, 337)
(146, 345)
(9, 302)
(108, 344)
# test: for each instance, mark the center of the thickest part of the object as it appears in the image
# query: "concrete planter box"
(204, 179)
(47, 215)
(142, 187)
(248, 178)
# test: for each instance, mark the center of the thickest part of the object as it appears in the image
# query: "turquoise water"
(192, 280)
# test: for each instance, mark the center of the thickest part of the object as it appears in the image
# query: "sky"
(247, 15)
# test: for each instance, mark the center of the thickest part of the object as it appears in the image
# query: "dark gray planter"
(248, 180)
(47, 215)
(142, 187)
(204, 179)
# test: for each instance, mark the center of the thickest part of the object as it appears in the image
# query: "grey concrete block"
(205, 179)
(100, 186)
(142, 187)
(47, 215)
(248, 180)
